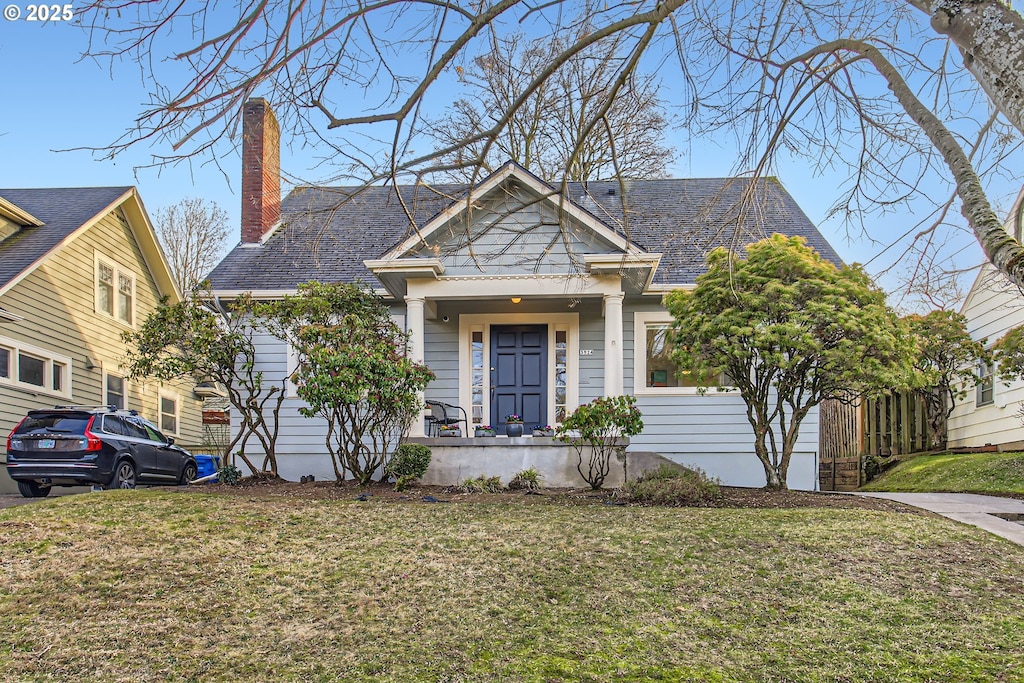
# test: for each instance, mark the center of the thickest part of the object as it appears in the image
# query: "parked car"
(75, 446)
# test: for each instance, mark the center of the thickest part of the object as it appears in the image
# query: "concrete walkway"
(1001, 516)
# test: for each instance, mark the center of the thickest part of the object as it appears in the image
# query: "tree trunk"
(990, 36)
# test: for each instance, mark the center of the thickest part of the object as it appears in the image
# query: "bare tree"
(194, 235)
(542, 133)
(869, 85)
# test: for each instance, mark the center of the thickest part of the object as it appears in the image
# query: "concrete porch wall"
(454, 460)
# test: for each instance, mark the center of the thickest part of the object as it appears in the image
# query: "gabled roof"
(61, 214)
(327, 232)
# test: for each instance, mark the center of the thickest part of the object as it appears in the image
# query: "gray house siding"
(708, 431)
(441, 354)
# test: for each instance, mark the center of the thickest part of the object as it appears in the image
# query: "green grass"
(166, 585)
(998, 473)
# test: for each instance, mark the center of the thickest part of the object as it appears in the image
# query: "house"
(990, 414)
(521, 297)
(78, 267)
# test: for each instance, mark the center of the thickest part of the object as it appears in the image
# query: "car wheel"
(124, 476)
(30, 489)
(189, 473)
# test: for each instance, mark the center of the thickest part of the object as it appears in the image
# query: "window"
(168, 413)
(986, 385)
(561, 368)
(115, 291)
(34, 369)
(114, 392)
(105, 289)
(654, 370)
(31, 370)
(57, 378)
(477, 360)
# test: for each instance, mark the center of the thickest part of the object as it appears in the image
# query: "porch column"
(613, 344)
(414, 325)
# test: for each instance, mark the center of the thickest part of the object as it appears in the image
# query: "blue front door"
(519, 367)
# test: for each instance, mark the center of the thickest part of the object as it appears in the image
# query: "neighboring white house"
(521, 298)
(990, 415)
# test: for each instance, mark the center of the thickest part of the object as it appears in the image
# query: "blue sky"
(58, 101)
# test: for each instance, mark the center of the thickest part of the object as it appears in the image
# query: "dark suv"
(74, 446)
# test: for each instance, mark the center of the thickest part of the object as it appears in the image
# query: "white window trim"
(990, 377)
(48, 358)
(641, 319)
(119, 270)
(124, 384)
(173, 395)
(568, 322)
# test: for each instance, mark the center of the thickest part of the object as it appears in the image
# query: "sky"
(57, 103)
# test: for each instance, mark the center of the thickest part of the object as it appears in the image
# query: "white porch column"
(414, 325)
(613, 344)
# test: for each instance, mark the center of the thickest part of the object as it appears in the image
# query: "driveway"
(1001, 516)
(8, 500)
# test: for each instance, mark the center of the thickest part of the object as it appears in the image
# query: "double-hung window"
(115, 291)
(114, 391)
(168, 413)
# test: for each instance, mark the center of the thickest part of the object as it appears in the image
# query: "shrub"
(603, 425)
(409, 462)
(525, 480)
(673, 487)
(229, 474)
(482, 484)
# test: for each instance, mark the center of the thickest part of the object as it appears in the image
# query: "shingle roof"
(62, 211)
(327, 232)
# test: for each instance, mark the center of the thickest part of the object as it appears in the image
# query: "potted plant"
(483, 430)
(514, 425)
(451, 430)
(543, 430)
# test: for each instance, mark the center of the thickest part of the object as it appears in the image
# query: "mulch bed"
(733, 497)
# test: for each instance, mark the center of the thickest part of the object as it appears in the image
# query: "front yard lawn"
(172, 585)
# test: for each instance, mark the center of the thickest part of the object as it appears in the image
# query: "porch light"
(516, 299)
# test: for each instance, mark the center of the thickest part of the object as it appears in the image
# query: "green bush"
(409, 462)
(673, 487)
(526, 480)
(482, 484)
(229, 474)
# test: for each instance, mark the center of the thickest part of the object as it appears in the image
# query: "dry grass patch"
(167, 585)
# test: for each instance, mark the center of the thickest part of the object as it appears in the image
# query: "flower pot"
(543, 432)
(514, 429)
(451, 432)
(483, 432)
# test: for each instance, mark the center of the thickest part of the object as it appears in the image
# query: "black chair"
(445, 415)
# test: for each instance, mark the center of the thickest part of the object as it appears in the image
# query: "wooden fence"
(894, 424)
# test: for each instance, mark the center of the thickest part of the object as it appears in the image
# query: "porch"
(454, 460)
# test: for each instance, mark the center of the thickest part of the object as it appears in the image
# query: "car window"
(54, 423)
(136, 429)
(114, 425)
(154, 434)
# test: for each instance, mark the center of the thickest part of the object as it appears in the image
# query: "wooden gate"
(840, 444)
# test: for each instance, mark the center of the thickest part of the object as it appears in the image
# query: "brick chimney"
(261, 170)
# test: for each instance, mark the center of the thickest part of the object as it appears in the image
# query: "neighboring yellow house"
(78, 267)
